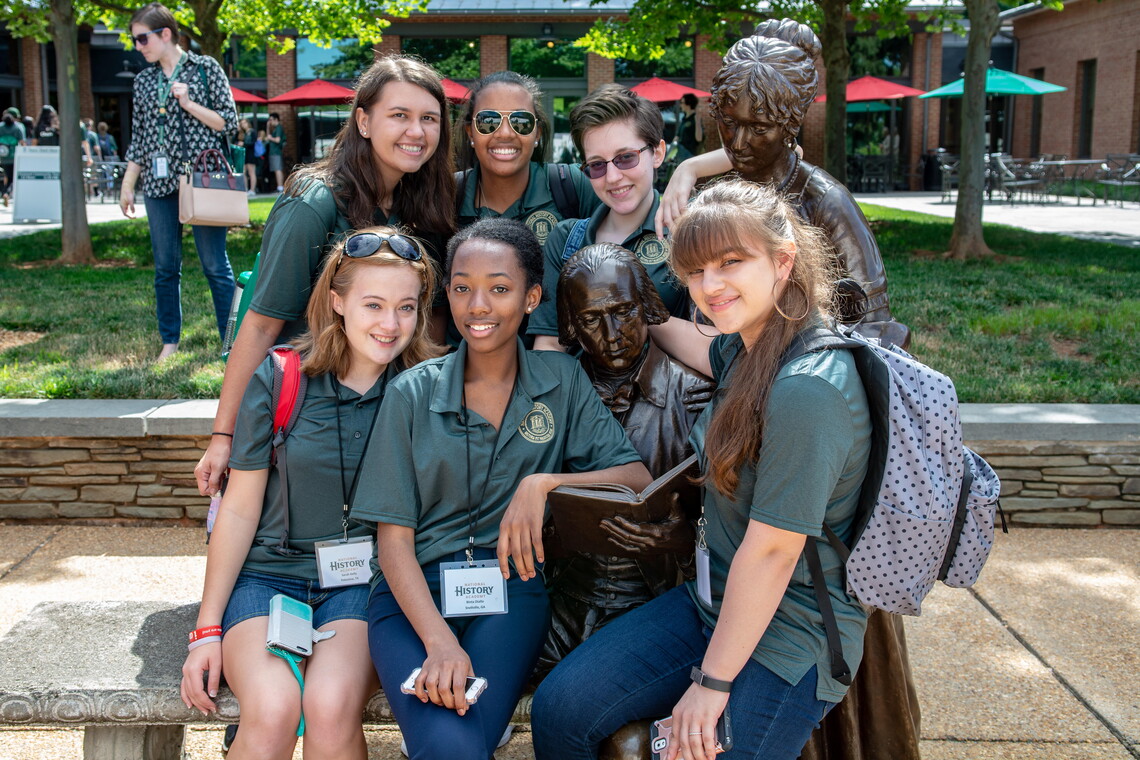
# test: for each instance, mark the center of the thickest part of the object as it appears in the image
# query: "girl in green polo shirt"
(456, 486)
(368, 319)
(783, 449)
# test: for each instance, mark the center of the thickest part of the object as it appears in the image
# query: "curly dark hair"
(508, 232)
(465, 153)
(586, 263)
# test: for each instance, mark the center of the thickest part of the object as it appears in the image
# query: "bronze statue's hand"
(698, 396)
(673, 534)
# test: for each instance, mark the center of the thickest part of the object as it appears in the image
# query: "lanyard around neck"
(472, 509)
(165, 83)
(348, 491)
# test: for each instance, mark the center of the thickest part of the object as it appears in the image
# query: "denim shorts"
(252, 592)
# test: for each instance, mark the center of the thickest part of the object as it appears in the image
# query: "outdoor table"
(1072, 171)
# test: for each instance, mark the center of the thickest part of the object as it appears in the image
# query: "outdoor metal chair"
(1120, 171)
(948, 168)
(1015, 179)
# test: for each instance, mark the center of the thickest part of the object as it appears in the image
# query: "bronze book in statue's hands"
(578, 510)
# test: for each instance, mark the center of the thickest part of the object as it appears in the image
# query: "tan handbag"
(211, 195)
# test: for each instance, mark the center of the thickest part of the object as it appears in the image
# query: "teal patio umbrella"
(998, 82)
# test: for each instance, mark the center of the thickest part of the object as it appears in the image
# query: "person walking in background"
(690, 131)
(249, 142)
(110, 150)
(46, 131)
(276, 144)
(182, 106)
(12, 135)
(93, 153)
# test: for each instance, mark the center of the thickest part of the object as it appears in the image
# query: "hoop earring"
(776, 302)
(696, 324)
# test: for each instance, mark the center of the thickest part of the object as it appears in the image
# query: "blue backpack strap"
(562, 189)
(574, 242)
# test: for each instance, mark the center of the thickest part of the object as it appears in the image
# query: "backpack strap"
(959, 518)
(461, 188)
(574, 242)
(840, 670)
(289, 386)
(563, 190)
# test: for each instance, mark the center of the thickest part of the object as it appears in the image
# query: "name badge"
(472, 588)
(160, 167)
(344, 563)
(704, 583)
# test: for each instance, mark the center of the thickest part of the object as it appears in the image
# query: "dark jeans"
(166, 241)
(637, 667)
(8, 172)
(502, 648)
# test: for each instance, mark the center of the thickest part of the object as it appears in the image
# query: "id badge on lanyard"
(472, 588)
(344, 561)
(704, 580)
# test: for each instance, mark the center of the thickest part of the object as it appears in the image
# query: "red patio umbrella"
(241, 96)
(873, 88)
(316, 93)
(455, 92)
(661, 90)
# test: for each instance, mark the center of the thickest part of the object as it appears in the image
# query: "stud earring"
(472, 143)
(363, 133)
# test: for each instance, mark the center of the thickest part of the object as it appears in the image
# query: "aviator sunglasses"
(141, 40)
(364, 244)
(488, 122)
(623, 161)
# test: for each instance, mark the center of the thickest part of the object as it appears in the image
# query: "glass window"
(452, 57)
(344, 60)
(9, 55)
(546, 58)
(676, 63)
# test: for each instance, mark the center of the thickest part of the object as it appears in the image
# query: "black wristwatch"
(701, 679)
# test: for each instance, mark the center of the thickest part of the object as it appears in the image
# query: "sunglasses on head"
(488, 122)
(364, 244)
(623, 161)
(141, 40)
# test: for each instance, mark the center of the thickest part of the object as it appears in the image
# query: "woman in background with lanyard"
(456, 482)
(182, 106)
(368, 320)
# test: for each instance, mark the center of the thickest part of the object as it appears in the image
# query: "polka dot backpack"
(928, 503)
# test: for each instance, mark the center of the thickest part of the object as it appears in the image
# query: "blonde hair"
(756, 220)
(324, 346)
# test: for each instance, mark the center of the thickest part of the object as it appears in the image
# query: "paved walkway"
(1110, 223)
(96, 212)
(1040, 661)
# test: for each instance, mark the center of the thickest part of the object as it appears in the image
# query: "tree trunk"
(76, 233)
(967, 240)
(837, 61)
(211, 39)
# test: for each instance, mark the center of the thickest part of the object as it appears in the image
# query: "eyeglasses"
(623, 161)
(364, 244)
(488, 122)
(141, 40)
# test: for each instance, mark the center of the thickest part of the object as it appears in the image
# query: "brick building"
(1092, 47)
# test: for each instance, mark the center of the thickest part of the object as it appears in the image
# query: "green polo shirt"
(317, 485)
(812, 461)
(536, 208)
(299, 233)
(653, 253)
(416, 472)
(276, 148)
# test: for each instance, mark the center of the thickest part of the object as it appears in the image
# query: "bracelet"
(219, 432)
(699, 677)
(202, 642)
(209, 630)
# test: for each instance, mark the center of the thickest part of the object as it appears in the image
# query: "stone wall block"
(1122, 517)
(188, 492)
(86, 509)
(1132, 485)
(1113, 459)
(1126, 469)
(176, 443)
(189, 454)
(1005, 474)
(158, 512)
(92, 468)
(66, 480)
(179, 482)
(1115, 479)
(185, 465)
(1054, 449)
(113, 457)
(23, 443)
(1044, 485)
(1056, 518)
(26, 510)
(197, 513)
(23, 471)
(995, 448)
(137, 479)
(1010, 487)
(1024, 502)
(1086, 471)
(120, 494)
(37, 457)
(13, 482)
(1089, 491)
(1036, 461)
(1115, 504)
(1131, 497)
(1113, 447)
(170, 501)
(50, 493)
(12, 494)
(153, 490)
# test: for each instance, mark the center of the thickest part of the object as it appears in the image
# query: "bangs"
(707, 231)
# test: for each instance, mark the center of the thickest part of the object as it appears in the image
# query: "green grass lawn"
(1051, 319)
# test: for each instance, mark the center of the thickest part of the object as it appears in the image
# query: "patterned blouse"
(144, 123)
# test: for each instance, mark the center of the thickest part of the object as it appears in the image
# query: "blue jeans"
(166, 241)
(502, 648)
(253, 591)
(637, 667)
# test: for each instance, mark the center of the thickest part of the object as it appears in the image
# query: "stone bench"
(114, 668)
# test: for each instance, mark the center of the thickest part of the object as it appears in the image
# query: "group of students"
(436, 465)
